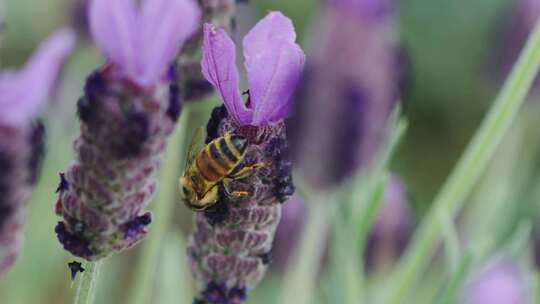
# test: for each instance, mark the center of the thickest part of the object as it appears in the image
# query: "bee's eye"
(185, 191)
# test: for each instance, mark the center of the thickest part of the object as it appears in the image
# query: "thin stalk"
(299, 282)
(468, 170)
(145, 273)
(86, 291)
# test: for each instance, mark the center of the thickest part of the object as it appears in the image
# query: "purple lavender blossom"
(273, 61)
(22, 94)
(229, 247)
(392, 229)
(347, 93)
(499, 281)
(129, 109)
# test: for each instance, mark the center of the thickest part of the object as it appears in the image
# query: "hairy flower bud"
(229, 247)
(22, 145)
(102, 197)
(127, 113)
(231, 242)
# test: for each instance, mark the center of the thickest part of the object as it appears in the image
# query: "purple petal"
(113, 24)
(274, 63)
(22, 93)
(165, 25)
(219, 68)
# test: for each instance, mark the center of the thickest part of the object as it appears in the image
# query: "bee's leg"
(247, 170)
(234, 193)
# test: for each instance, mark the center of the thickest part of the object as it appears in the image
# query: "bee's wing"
(197, 142)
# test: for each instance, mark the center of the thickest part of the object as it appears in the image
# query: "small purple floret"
(136, 226)
(63, 185)
(72, 242)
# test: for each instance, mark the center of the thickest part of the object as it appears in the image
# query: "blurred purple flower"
(497, 282)
(79, 18)
(141, 43)
(129, 109)
(518, 22)
(386, 241)
(229, 248)
(392, 229)
(22, 93)
(288, 232)
(273, 61)
(349, 88)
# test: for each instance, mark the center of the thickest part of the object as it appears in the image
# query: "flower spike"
(22, 94)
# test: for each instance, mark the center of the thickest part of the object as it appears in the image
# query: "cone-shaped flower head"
(347, 92)
(129, 108)
(22, 94)
(230, 245)
(499, 281)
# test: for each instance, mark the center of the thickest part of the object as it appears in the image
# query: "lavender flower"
(392, 229)
(127, 113)
(228, 249)
(497, 282)
(22, 94)
(349, 88)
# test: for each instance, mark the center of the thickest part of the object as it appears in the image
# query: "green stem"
(86, 291)
(468, 170)
(145, 272)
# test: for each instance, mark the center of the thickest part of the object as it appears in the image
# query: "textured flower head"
(498, 282)
(273, 61)
(350, 86)
(142, 42)
(23, 92)
(363, 7)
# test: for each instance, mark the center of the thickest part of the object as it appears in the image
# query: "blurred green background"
(450, 46)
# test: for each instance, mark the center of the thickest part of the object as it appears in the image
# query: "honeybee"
(213, 165)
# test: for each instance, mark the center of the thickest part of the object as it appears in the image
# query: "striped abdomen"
(220, 156)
